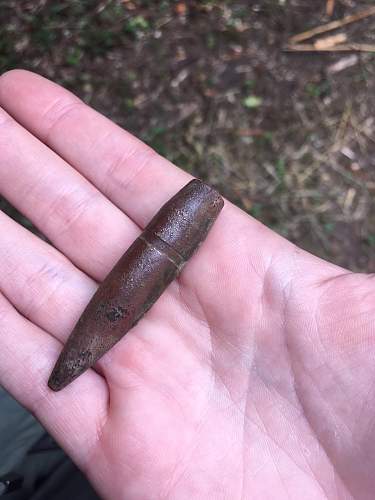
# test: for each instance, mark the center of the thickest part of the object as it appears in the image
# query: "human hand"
(252, 376)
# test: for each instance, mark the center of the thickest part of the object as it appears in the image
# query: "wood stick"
(332, 25)
(330, 41)
(347, 47)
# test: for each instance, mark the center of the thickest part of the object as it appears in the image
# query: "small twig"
(332, 25)
(347, 47)
(341, 130)
(251, 132)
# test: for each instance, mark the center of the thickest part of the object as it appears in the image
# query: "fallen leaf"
(252, 101)
(181, 8)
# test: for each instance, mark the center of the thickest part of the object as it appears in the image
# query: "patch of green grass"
(256, 210)
(329, 227)
(136, 26)
(268, 136)
(208, 3)
(181, 159)
(262, 141)
(318, 89)
(155, 138)
(278, 228)
(99, 41)
(129, 103)
(164, 5)
(249, 84)
(371, 239)
(210, 41)
(131, 75)
(240, 12)
(74, 56)
(113, 10)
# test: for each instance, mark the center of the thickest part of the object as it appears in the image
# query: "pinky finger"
(27, 355)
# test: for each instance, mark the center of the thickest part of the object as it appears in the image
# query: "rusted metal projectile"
(138, 279)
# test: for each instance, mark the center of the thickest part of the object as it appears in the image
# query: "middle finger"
(78, 219)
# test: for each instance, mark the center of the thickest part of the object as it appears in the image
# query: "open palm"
(252, 376)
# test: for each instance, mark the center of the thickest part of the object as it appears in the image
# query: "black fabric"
(19, 431)
(28, 452)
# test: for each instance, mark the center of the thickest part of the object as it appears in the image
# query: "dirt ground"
(289, 137)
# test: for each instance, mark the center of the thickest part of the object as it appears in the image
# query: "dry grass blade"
(332, 25)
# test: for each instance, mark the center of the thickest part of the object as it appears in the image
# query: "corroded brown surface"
(139, 278)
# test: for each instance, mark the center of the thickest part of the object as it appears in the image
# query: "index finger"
(128, 172)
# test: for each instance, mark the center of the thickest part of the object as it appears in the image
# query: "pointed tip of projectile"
(138, 279)
(54, 384)
(69, 366)
(59, 378)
